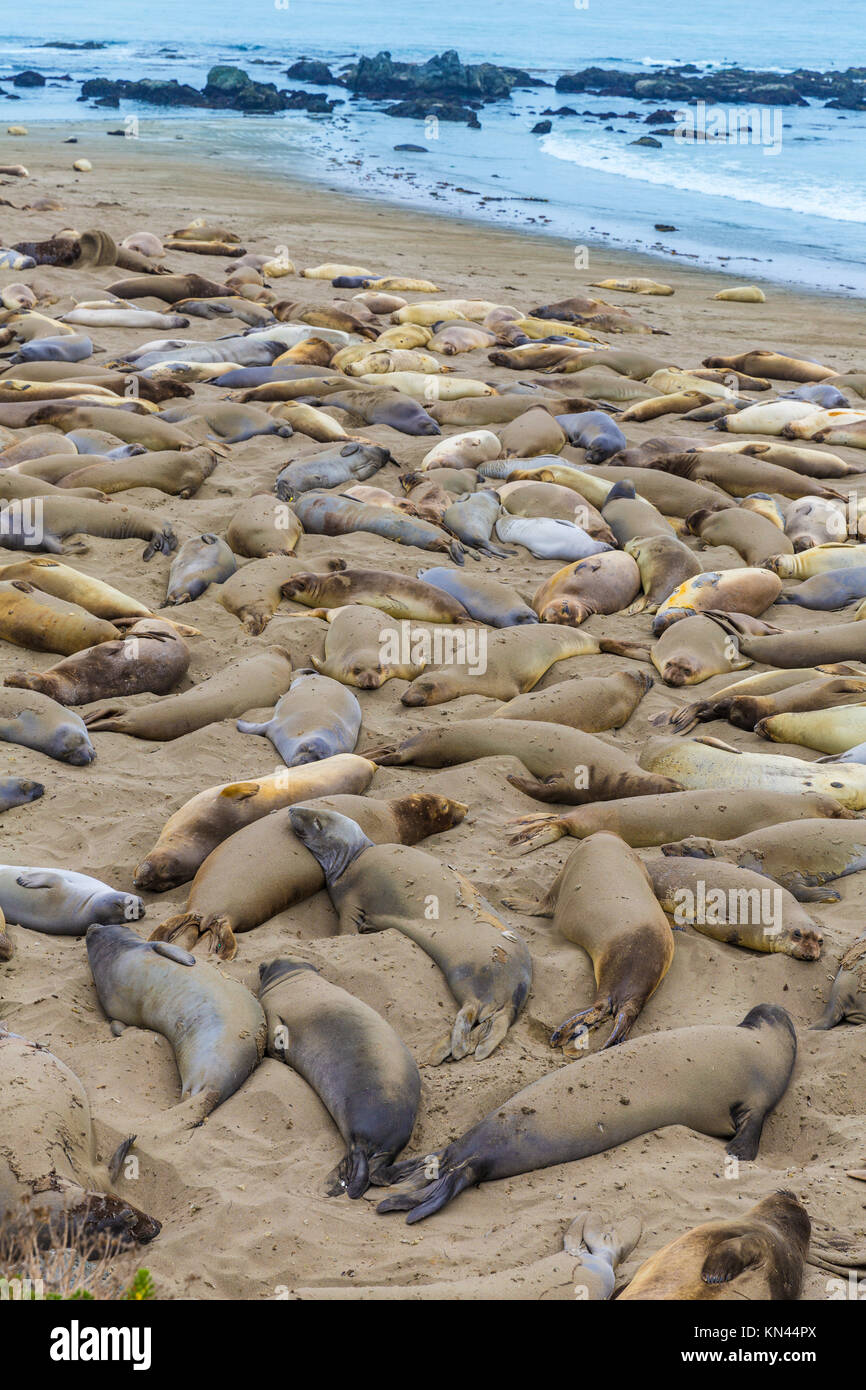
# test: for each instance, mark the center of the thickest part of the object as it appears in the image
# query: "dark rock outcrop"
(227, 88)
(442, 76)
(309, 70)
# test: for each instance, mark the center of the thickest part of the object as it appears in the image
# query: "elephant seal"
(203, 822)
(664, 563)
(52, 1186)
(60, 902)
(807, 647)
(361, 1070)
(595, 432)
(803, 856)
(316, 718)
(563, 764)
(832, 729)
(324, 514)
(848, 992)
(262, 526)
(131, 427)
(667, 492)
(633, 518)
(703, 762)
(741, 590)
(178, 473)
(650, 820)
(200, 562)
(718, 1080)
(739, 475)
(590, 703)
(759, 1255)
(829, 591)
(603, 900)
(551, 500)
(41, 622)
(772, 692)
(227, 420)
(752, 535)
(508, 664)
(734, 905)
(382, 887)
(216, 1028)
(357, 649)
(550, 538)
(465, 450)
(151, 657)
(263, 869)
(774, 365)
(818, 559)
(169, 288)
(812, 521)
(385, 406)
(35, 721)
(251, 683)
(352, 462)
(472, 519)
(396, 594)
(604, 583)
(533, 432)
(484, 599)
(253, 593)
(18, 791)
(52, 577)
(61, 517)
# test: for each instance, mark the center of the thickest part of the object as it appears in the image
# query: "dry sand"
(241, 1200)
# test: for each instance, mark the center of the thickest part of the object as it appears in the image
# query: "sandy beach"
(240, 1198)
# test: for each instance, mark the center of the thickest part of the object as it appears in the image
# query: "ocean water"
(789, 207)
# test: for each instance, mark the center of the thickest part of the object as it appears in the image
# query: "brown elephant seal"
(807, 647)
(358, 649)
(254, 591)
(739, 476)
(473, 412)
(803, 856)
(263, 526)
(734, 905)
(508, 662)
(176, 472)
(830, 717)
(130, 426)
(605, 583)
(152, 657)
(590, 703)
(485, 599)
(689, 651)
(773, 365)
(633, 518)
(35, 721)
(263, 869)
(755, 697)
(603, 900)
(169, 288)
(741, 590)
(396, 594)
(395, 887)
(533, 432)
(251, 683)
(385, 406)
(753, 536)
(650, 820)
(200, 561)
(553, 500)
(203, 822)
(814, 463)
(314, 718)
(215, 1026)
(664, 563)
(52, 1185)
(562, 764)
(667, 492)
(848, 992)
(324, 514)
(53, 577)
(709, 762)
(721, 1081)
(361, 1070)
(61, 517)
(759, 1255)
(42, 623)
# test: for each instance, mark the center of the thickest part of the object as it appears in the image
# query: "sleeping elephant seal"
(664, 563)
(327, 514)
(51, 1181)
(61, 517)
(200, 562)
(382, 887)
(590, 703)
(60, 902)
(42, 623)
(52, 577)
(169, 288)
(718, 1080)
(203, 822)
(316, 718)
(759, 1255)
(253, 592)
(756, 697)
(605, 583)
(346, 463)
(384, 407)
(356, 649)
(563, 764)
(708, 762)
(215, 1026)
(472, 519)
(754, 537)
(483, 598)
(689, 651)
(35, 721)
(803, 856)
(508, 663)
(262, 526)
(396, 594)
(263, 869)
(773, 365)
(848, 992)
(534, 432)
(633, 518)
(603, 900)
(595, 432)
(18, 791)
(740, 590)
(361, 1070)
(251, 683)
(151, 657)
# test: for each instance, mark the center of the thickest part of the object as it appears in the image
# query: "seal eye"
(797, 934)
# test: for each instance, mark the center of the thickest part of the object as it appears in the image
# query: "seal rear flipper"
(732, 1257)
(245, 726)
(116, 1161)
(639, 651)
(223, 942)
(184, 925)
(571, 1034)
(747, 1139)
(858, 1173)
(434, 1195)
(462, 1030)
(104, 718)
(488, 1035)
(833, 1014)
(351, 1175)
(601, 1236)
(540, 828)
(541, 789)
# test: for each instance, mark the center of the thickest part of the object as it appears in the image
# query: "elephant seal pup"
(734, 905)
(356, 646)
(550, 538)
(396, 594)
(178, 473)
(129, 426)
(664, 563)
(252, 594)
(201, 561)
(152, 657)
(551, 500)
(803, 856)
(60, 902)
(18, 791)
(688, 652)
(633, 518)
(534, 432)
(759, 1255)
(263, 869)
(472, 519)
(316, 718)
(753, 536)
(807, 647)
(35, 721)
(392, 887)
(215, 1026)
(718, 1080)
(741, 590)
(826, 592)
(352, 462)
(41, 622)
(169, 288)
(512, 664)
(595, 432)
(227, 421)
(52, 577)
(605, 583)
(361, 1070)
(251, 683)
(603, 900)
(325, 514)
(49, 1171)
(649, 820)
(848, 992)
(773, 365)
(818, 559)
(738, 475)
(203, 822)
(667, 492)
(563, 764)
(830, 729)
(384, 406)
(262, 526)
(702, 763)
(484, 599)
(590, 703)
(61, 517)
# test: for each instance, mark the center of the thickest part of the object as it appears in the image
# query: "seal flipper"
(244, 726)
(351, 1175)
(433, 1195)
(186, 925)
(833, 1014)
(116, 1161)
(541, 789)
(490, 1033)
(175, 953)
(749, 1128)
(730, 1258)
(539, 828)
(33, 878)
